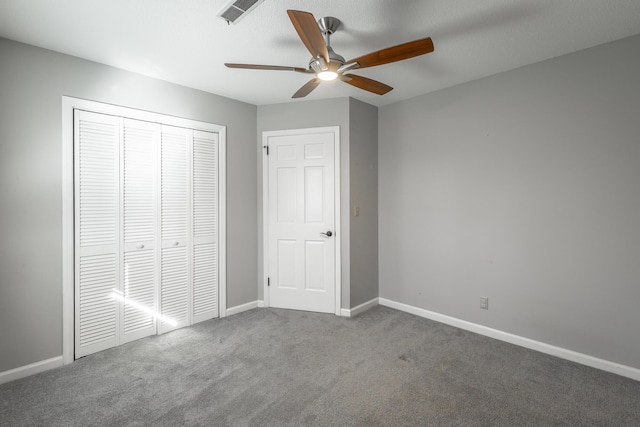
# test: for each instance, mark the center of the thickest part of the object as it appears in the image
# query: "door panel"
(174, 289)
(286, 277)
(138, 229)
(286, 195)
(139, 294)
(96, 310)
(175, 292)
(314, 265)
(301, 207)
(205, 226)
(314, 194)
(205, 281)
(96, 231)
(174, 183)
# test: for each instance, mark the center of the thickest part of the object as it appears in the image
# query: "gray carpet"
(269, 367)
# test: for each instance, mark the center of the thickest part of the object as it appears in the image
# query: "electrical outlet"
(484, 303)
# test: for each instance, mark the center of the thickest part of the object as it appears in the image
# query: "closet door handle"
(141, 246)
(176, 244)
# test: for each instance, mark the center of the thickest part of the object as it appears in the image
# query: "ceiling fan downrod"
(328, 25)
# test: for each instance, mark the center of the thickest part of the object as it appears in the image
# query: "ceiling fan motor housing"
(335, 61)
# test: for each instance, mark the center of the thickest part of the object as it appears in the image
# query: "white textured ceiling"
(183, 41)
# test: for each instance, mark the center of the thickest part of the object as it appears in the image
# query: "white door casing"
(301, 197)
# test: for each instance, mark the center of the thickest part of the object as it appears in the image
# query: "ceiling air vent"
(237, 9)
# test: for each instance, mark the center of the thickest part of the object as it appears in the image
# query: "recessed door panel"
(313, 151)
(286, 152)
(315, 265)
(314, 194)
(287, 199)
(286, 277)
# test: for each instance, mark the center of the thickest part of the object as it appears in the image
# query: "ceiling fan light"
(327, 75)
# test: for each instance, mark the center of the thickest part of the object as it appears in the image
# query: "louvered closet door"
(138, 229)
(175, 291)
(205, 225)
(96, 231)
(146, 229)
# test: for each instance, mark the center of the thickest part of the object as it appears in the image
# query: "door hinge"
(268, 281)
(266, 147)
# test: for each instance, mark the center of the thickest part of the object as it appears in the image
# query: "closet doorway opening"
(144, 239)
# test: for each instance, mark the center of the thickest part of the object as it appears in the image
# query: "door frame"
(69, 104)
(265, 207)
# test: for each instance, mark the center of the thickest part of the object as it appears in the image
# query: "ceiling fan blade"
(310, 34)
(307, 88)
(395, 53)
(267, 67)
(367, 84)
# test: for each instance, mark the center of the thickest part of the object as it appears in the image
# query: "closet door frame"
(69, 104)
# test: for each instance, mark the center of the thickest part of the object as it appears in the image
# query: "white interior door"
(301, 236)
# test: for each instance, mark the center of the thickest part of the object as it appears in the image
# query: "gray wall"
(310, 114)
(32, 83)
(363, 173)
(523, 187)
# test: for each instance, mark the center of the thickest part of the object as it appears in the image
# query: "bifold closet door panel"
(138, 192)
(205, 226)
(175, 205)
(96, 193)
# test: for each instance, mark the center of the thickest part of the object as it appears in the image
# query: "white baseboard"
(583, 359)
(359, 309)
(34, 368)
(244, 307)
(594, 362)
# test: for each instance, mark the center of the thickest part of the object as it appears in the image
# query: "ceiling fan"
(328, 65)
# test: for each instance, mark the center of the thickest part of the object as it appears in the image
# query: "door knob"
(328, 234)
